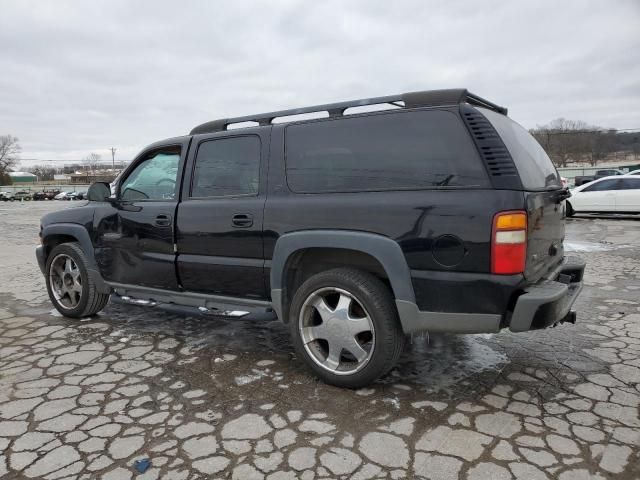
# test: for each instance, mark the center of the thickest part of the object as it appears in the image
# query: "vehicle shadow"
(444, 363)
(599, 216)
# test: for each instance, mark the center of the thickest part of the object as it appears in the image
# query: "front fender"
(81, 235)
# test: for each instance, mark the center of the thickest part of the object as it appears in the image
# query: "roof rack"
(428, 98)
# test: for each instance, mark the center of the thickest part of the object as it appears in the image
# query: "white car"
(61, 196)
(617, 194)
(634, 172)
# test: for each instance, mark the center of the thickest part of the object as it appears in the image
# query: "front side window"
(602, 186)
(227, 167)
(391, 151)
(154, 178)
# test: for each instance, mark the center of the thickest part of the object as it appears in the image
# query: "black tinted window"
(603, 185)
(226, 167)
(535, 168)
(630, 183)
(393, 151)
(154, 178)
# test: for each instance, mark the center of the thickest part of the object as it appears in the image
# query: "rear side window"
(391, 151)
(227, 167)
(535, 168)
(603, 185)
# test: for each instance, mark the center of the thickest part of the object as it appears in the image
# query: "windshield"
(536, 169)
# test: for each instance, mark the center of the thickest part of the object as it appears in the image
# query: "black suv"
(426, 211)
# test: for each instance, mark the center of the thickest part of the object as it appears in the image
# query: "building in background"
(61, 177)
(87, 178)
(22, 177)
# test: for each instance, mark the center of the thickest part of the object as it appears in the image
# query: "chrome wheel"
(65, 281)
(337, 331)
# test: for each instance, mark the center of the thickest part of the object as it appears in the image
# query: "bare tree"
(91, 161)
(601, 143)
(43, 172)
(9, 150)
(565, 140)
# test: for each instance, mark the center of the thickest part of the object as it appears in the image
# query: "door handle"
(242, 220)
(163, 220)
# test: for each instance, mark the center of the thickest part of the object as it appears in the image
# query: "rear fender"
(385, 250)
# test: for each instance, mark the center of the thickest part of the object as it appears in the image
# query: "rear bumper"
(540, 305)
(549, 301)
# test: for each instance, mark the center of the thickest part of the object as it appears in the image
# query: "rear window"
(535, 168)
(391, 151)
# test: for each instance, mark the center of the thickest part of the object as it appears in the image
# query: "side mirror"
(99, 192)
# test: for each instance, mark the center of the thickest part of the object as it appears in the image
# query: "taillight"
(509, 243)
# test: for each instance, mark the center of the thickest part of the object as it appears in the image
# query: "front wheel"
(345, 327)
(569, 210)
(70, 288)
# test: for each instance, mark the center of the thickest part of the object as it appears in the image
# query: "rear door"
(542, 200)
(628, 197)
(219, 221)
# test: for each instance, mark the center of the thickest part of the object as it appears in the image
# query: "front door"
(219, 226)
(598, 197)
(134, 239)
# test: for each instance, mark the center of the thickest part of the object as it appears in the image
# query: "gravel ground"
(205, 397)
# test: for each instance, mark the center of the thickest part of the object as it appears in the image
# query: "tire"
(78, 298)
(357, 297)
(569, 210)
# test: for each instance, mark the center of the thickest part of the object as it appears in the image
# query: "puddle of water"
(443, 362)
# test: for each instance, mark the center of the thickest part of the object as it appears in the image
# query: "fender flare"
(80, 233)
(383, 249)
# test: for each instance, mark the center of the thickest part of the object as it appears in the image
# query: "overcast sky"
(83, 76)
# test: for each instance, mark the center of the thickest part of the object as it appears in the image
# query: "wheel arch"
(59, 233)
(375, 253)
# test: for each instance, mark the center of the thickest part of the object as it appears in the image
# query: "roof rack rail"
(427, 98)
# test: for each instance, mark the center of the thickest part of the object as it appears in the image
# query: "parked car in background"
(61, 196)
(616, 194)
(72, 196)
(357, 229)
(81, 196)
(634, 172)
(22, 195)
(7, 197)
(581, 180)
(46, 195)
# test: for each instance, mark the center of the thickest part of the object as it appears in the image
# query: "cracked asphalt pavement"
(208, 397)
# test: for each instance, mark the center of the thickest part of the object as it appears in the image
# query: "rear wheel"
(345, 327)
(70, 288)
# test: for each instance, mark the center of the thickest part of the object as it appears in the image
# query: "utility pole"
(113, 158)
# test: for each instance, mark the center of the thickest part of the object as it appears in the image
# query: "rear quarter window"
(391, 151)
(535, 168)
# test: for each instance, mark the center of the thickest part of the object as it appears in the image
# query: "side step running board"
(224, 313)
(206, 304)
(221, 312)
